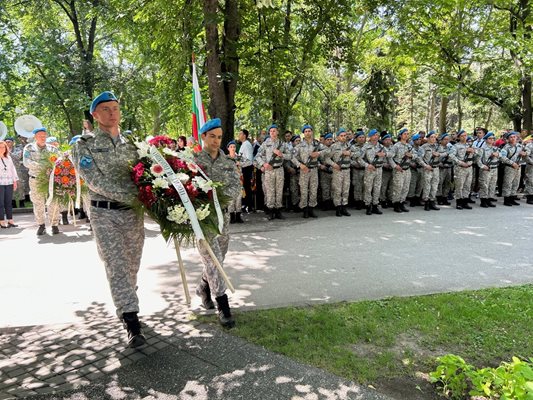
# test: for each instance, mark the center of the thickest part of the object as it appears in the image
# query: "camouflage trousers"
(236, 204)
(294, 187)
(416, 182)
(219, 245)
(308, 188)
(386, 184)
(119, 237)
(372, 186)
(39, 206)
(358, 176)
(325, 185)
(487, 183)
(400, 185)
(445, 181)
(528, 181)
(511, 179)
(463, 181)
(430, 184)
(274, 180)
(340, 187)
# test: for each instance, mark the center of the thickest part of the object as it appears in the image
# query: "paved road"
(60, 340)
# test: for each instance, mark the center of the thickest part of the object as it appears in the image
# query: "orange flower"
(66, 163)
(64, 180)
(57, 171)
(72, 171)
(53, 158)
(82, 181)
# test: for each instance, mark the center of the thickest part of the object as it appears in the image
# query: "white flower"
(170, 152)
(202, 184)
(160, 183)
(177, 214)
(157, 170)
(143, 149)
(183, 178)
(203, 212)
(192, 167)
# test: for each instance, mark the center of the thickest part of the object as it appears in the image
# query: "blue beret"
(230, 143)
(403, 131)
(9, 138)
(488, 135)
(328, 136)
(444, 135)
(211, 124)
(513, 133)
(38, 130)
(306, 126)
(51, 139)
(74, 139)
(295, 137)
(461, 132)
(469, 138)
(340, 131)
(386, 136)
(102, 98)
(272, 126)
(372, 132)
(431, 133)
(359, 133)
(415, 137)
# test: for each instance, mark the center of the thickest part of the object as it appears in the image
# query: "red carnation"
(161, 141)
(138, 172)
(191, 190)
(146, 196)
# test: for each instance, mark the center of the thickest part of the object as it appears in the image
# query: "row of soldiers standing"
(378, 171)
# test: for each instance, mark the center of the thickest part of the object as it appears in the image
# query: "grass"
(397, 337)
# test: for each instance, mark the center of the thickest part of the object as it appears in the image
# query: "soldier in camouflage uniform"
(445, 170)
(325, 174)
(358, 170)
(269, 159)
(386, 175)
(235, 205)
(429, 159)
(400, 157)
(32, 155)
(339, 158)
(415, 184)
(305, 158)
(463, 158)
(488, 160)
(102, 158)
(294, 176)
(372, 157)
(528, 190)
(221, 169)
(511, 156)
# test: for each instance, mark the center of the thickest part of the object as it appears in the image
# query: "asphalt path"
(56, 278)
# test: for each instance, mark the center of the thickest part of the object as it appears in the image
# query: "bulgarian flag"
(198, 112)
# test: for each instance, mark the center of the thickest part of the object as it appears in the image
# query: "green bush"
(455, 379)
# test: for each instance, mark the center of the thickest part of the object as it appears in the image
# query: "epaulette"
(87, 136)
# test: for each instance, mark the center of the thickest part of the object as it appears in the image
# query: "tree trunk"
(526, 103)
(489, 117)
(459, 111)
(222, 63)
(443, 113)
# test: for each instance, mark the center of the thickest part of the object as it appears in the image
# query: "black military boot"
(384, 204)
(433, 206)
(271, 214)
(397, 207)
(345, 212)
(489, 202)
(445, 201)
(376, 210)
(469, 200)
(306, 212)
(238, 218)
(338, 212)
(484, 203)
(224, 314)
(439, 200)
(133, 326)
(231, 217)
(403, 208)
(426, 206)
(64, 217)
(413, 201)
(514, 200)
(278, 214)
(204, 292)
(311, 212)
(529, 199)
(55, 230)
(459, 204)
(369, 209)
(466, 205)
(507, 201)
(359, 205)
(41, 230)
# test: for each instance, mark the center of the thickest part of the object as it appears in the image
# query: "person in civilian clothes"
(8, 184)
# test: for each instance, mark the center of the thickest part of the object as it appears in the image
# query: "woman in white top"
(8, 184)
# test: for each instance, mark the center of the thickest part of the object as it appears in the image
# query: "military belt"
(110, 205)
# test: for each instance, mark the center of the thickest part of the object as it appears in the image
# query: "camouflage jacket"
(33, 154)
(221, 169)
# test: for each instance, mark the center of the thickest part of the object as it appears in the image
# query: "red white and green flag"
(198, 112)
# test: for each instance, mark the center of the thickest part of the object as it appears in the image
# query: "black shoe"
(397, 207)
(489, 203)
(311, 212)
(204, 292)
(529, 199)
(426, 206)
(507, 201)
(433, 206)
(278, 214)
(376, 210)
(64, 218)
(514, 201)
(403, 208)
(385, 204)
(306, 212)
(359, 205)
(445, 201)
(12, 225)
(345, 212)
(133, 326)
(41, 230)
(55, 230)
(484, 203)
(231, 217)
(440, 200)
(470, 201)
(459, 204)
(493, 199)
(413, 202)
(369, 209)
(238, 218)
(224, 314)
(338, 212)
(271, 214)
